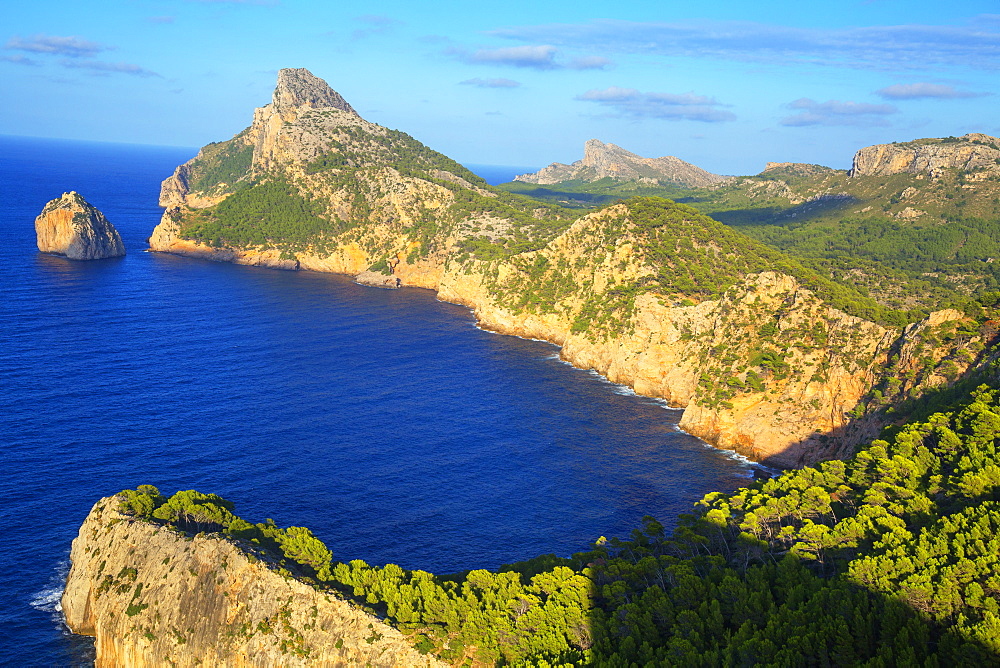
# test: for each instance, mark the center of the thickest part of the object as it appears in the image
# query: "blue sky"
(725, 85)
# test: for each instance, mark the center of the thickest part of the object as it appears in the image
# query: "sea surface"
(383, 420)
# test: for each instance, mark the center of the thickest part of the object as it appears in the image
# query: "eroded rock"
(153, 596)
(70, 226)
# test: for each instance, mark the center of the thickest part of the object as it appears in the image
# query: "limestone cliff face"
(602, 160)
(70, 226)
(969, 152)
(768, 369)
(154, 597)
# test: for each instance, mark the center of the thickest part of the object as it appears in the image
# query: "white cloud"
(72, 47)
(900, 47)
(590, 63)
(536, 57)
(666, 106)
(109, 68)
(491, 83)
(835, 112)
(917, 91)
(20, 60)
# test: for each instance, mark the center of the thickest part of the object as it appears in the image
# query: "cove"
(383, 420)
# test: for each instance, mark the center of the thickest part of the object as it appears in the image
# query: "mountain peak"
(298, 88)
(603, 160)
(596, 152)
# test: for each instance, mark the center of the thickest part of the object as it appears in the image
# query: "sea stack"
(70, 226)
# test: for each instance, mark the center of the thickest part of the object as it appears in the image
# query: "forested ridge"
(887, 559)
(911, 242)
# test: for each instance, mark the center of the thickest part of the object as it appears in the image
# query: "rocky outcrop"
(377, 279)
(70, 226)
(969, 152)
(767, 369)
(602, 160)
(156, 597)
(299, 88)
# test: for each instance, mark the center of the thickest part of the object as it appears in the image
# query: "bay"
(385, 421)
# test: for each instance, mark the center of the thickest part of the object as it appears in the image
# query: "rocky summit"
(70, 226)
(969, 153)
(601, 160)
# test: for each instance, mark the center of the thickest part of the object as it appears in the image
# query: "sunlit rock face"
(70, 226)
(602, 160)
(153, 596)
(969, 152)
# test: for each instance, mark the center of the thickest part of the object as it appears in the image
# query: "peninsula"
(768, 356)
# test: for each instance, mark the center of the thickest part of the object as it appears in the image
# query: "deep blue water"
(384, 420)
(497, 174)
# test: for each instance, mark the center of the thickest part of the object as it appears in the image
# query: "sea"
(384, 420)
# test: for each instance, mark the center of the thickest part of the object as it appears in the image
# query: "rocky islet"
(70, 226)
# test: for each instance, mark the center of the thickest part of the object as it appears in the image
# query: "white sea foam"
(48, 598)
(750, 464)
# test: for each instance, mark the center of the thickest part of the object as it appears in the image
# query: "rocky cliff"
(153, 596)
(602, 160)
(766, 357)
(341, 194)
(70, 226)
(766, 368)
(969, 153)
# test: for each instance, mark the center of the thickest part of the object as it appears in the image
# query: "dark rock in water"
(70, 226)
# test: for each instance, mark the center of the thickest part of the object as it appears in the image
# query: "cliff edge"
(70, 226)
(971, 152)
(153, 596)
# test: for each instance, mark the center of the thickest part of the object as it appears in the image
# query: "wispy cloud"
(918, 91)
(20, 60)
(590, 63)
(834, 112)
(491, 83)
(71, 47)
(900, 47)
(536, 57)
(101, 67)
(377, 25)
(667, 106)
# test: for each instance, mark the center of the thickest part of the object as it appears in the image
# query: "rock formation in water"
(761, 362)
(970, 153)
(602, 160)
(153, 596)
(70, 226)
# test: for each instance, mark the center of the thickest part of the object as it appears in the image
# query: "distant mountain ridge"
(601, 160)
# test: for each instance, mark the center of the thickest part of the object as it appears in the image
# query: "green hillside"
(910, 242)
(890, 558)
